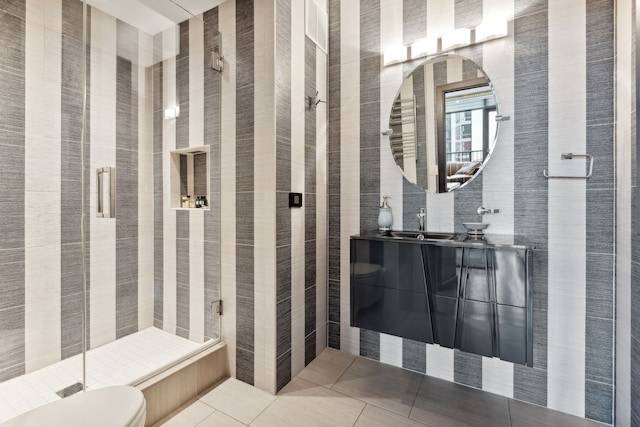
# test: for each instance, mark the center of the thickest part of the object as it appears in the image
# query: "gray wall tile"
(283, 370)
(244, 324)
(283, 273)
(309, 310)
(599, 356)
(12, 292)
(12, 33)
(598, 402)
(467, 369)
(635, 377)
(370, 344)
(530, 385)
(244, 179)
(126, 309)
(414, 355)
(309, 348)
(244, 365)
(12, 338)
(71, 331)
(600, 286)
(334, 301)
(283, 327)
(245, 275)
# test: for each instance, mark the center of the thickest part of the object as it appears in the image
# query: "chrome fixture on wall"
(106, 192)
(217, 61)
(313, 101)
(421, 219)
(569, 156)
(482, 210)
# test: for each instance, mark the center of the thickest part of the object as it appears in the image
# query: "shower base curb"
(171, 389)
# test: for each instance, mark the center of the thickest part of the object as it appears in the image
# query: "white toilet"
(116, 406)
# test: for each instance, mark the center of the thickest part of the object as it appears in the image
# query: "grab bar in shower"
(106, 192)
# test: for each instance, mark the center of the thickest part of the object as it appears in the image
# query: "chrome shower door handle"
(106, 192)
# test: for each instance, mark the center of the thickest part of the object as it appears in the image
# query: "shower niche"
(190, 178)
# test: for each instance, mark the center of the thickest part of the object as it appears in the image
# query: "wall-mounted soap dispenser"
(385, 219)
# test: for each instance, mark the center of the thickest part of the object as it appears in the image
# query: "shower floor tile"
(123, 361)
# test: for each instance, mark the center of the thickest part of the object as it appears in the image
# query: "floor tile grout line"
(265, 408)
(509, 408)
(413, 404)
(344, 372)
(359, 415)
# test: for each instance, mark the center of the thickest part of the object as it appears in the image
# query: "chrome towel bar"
(569, 156)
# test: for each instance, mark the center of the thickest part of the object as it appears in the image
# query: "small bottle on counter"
(385, 219)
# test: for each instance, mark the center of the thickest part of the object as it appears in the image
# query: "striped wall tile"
(212, 136)
(625, 211)
(32, 274)
(322, 207)
(266, 185)
(228, 265)
(287, 177)
(349, 159)
(158, 183)
(369, 137)
(126, 165)
(333, 177)
(567, 221)
(244, 188)
(145, 182)
(530, 195)
(102, 255)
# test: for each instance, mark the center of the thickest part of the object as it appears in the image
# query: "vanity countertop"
(459, 240)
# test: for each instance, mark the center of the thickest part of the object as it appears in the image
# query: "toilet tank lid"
(108, 406)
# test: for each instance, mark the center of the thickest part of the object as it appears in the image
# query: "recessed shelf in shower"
(190, 178)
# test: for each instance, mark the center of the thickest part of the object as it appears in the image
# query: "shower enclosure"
(110, 121)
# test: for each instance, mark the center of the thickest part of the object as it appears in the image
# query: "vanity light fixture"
(172, 113)
(395, 55)
(491, 30)
(456, 38)
(424, 47)
(460, 37)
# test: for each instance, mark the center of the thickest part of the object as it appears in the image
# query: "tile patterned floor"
(338, 389)
(120, 362)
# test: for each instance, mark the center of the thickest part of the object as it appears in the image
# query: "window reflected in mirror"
(470, 127)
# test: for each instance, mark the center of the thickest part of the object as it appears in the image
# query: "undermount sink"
(422, 235)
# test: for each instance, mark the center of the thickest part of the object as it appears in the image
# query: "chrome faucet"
(482, 210)
(421, 219)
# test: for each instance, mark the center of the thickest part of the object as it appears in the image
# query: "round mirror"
(442, 126)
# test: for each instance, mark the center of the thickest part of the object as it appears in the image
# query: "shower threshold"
(124, 361)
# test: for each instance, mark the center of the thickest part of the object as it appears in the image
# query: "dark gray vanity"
(459, 292)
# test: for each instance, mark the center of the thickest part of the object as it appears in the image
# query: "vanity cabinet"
(471, 296)
(388, 289)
